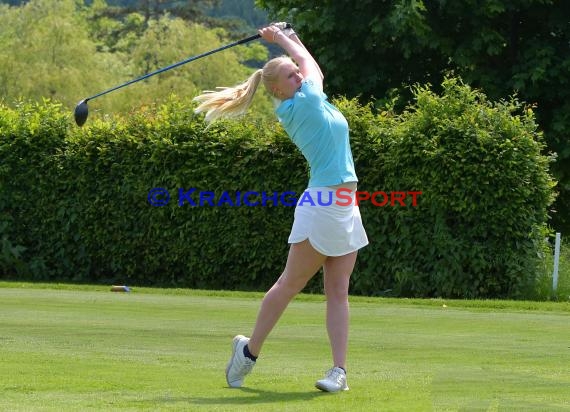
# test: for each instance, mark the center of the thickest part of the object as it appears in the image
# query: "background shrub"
(480, 224)
(74, 207)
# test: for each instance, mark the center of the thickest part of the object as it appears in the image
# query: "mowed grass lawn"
(85, 348)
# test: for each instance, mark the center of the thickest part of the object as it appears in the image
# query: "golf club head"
(81, 113)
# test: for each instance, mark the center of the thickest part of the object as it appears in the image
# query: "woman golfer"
(325, 237)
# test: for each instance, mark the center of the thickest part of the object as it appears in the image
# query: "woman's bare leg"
(337, 272)
(302, 264)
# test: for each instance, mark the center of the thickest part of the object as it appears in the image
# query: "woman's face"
(288, 81)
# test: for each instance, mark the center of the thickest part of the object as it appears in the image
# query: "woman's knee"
(336, 291)
(290, 284)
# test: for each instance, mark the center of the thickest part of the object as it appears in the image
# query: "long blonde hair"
(234, 101)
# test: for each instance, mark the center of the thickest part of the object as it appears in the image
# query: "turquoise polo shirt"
(320, 131)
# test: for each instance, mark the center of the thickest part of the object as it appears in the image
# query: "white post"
(556, 259)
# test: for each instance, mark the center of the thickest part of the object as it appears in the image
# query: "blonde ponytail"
(228, 101)
(233, 101)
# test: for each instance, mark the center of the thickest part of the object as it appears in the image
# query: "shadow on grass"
(257, 396)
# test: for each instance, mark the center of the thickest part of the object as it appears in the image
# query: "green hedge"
(481, 225)
(74, 202)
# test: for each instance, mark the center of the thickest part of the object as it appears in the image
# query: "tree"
(46, 52)
(370, 48)
(63, 51)
(243, 10)
(192, 10)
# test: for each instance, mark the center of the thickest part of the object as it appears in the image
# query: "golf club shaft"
(172, 66)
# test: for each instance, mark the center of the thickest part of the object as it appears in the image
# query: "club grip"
(248, 39)
(257, 36)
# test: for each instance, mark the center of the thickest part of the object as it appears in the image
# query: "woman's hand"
(295, 49)
(271, 33)
(285, 28)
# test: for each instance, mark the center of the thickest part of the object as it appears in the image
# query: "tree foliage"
(377, 49)
(67, 51)
(46, 50)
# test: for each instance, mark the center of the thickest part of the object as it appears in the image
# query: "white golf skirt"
(330, 220)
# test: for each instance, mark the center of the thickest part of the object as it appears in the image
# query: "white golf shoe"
(334, 381)
(239, 365)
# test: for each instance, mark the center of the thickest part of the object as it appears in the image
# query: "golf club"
(82, 111)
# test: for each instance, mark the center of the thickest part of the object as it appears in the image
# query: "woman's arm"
(296, 50)
(293, 36)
